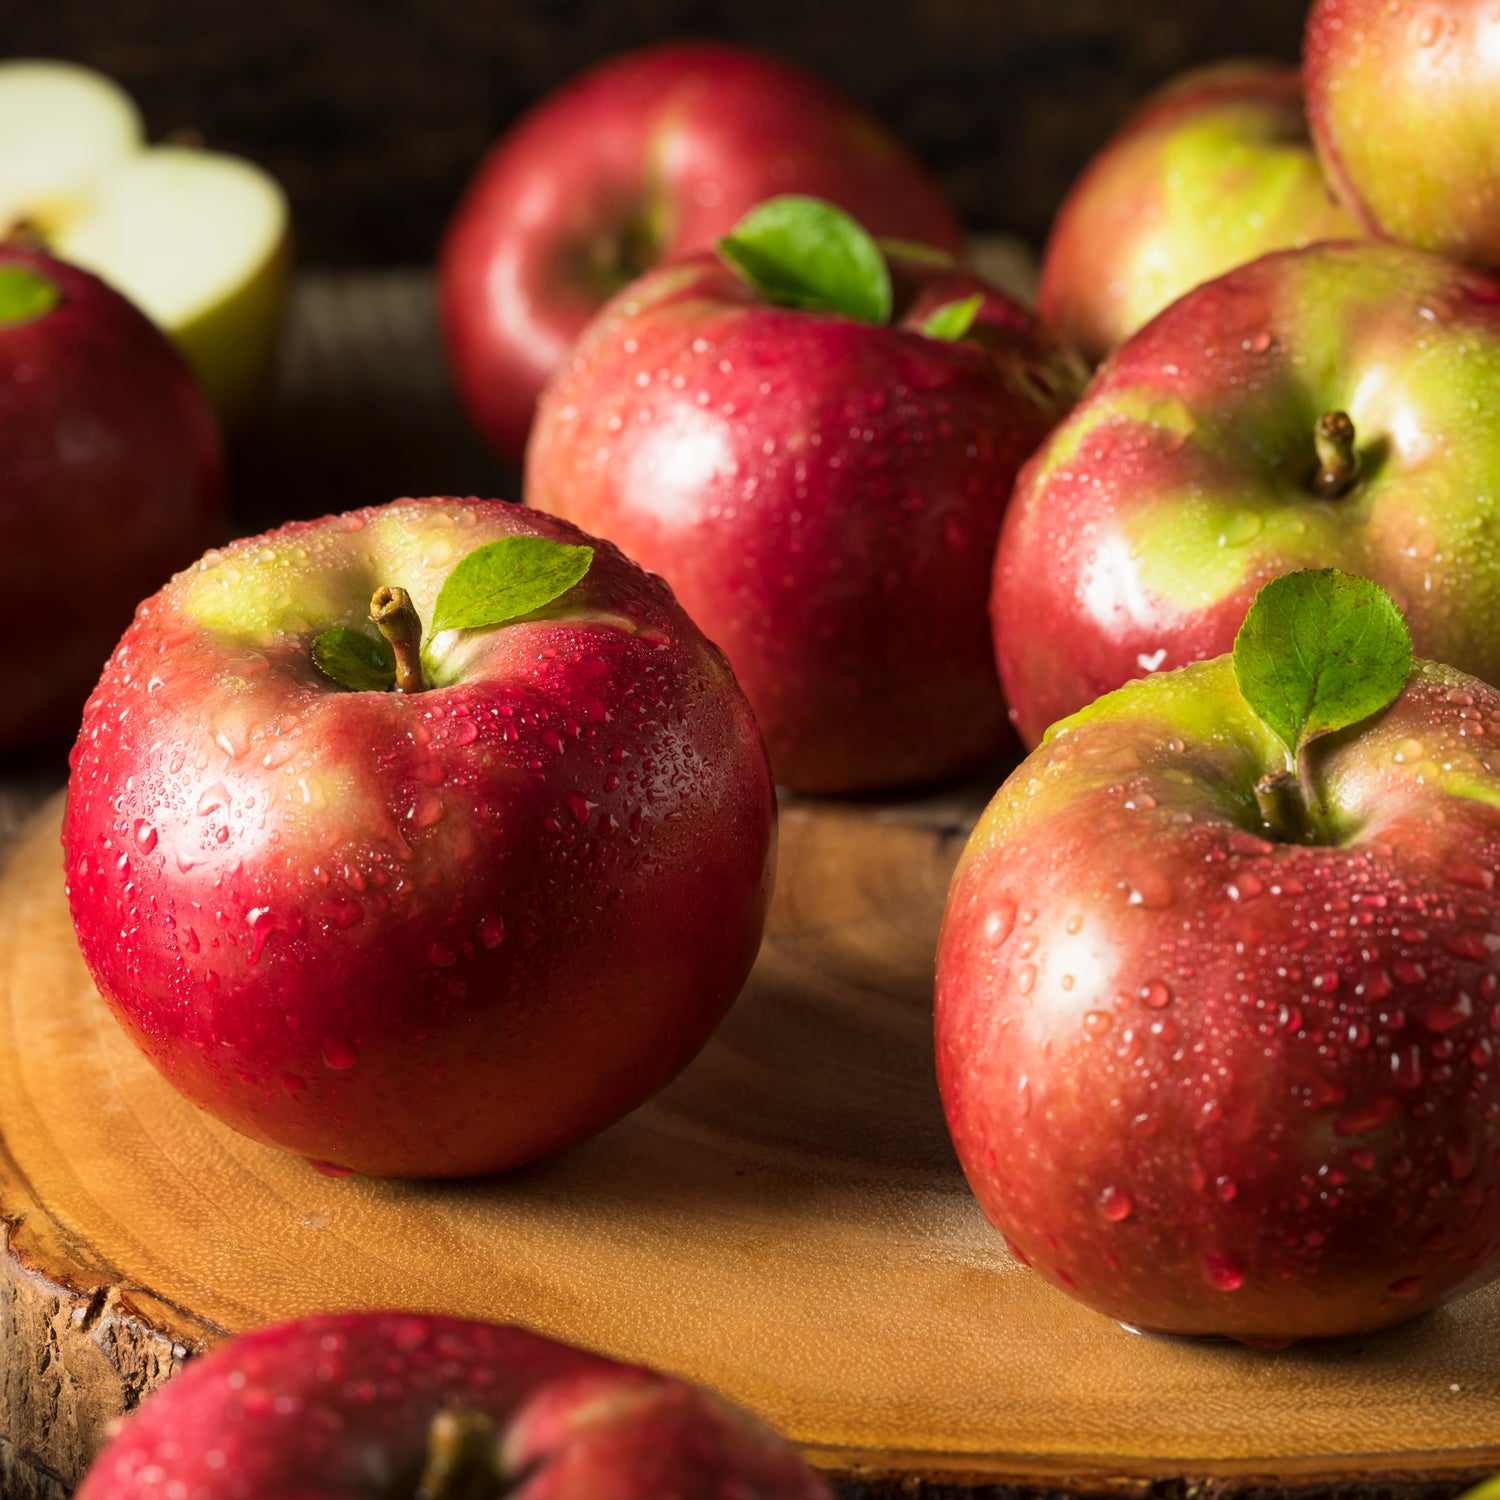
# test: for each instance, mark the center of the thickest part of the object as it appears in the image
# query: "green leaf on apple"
(362, 663)
(1320, 650)
(506, 579)
(803, 252)
(953, 320)
(25, 295)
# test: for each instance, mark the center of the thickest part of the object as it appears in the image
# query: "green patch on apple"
(25, 295)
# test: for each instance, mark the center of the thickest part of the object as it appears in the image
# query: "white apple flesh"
(198, 240)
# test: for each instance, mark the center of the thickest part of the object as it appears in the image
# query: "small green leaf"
(1319, 651)
(803, 252)
(953, 320)
(363, 663)
(25, 294)
(506, 579)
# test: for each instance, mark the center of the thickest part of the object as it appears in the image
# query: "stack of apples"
(456, 802)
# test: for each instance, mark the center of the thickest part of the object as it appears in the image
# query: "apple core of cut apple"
(199, 241)
(428, 933)
(1210, 1082)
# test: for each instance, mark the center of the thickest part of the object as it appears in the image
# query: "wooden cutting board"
(786, 1223)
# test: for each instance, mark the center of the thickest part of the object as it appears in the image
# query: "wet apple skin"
(433, 934)
(1210, 1084)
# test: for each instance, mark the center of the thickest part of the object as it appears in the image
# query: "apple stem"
(395, 617)
(23, 234)
(1278, 795)
(463, 1458)
(1338, 463)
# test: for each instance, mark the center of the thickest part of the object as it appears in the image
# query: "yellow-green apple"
(1211, 452)
(1404, 103)
(1217, 989)
(391, 1403)
(111, 477)
(648, 157)
(819, 469)
(1215, 170)
(418, 903)
(198, 240)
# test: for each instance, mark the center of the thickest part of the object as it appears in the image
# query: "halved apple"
(197, 239)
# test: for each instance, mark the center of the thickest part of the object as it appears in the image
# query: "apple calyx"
(394, 615)
(1319, 651)
(1338, 463)
(614, 258)
(463, 1459)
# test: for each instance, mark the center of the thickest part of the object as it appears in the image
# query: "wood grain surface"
(786, 1223)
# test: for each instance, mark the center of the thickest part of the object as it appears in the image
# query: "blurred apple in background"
(198, 240)
(645, 158)
(1213, 171)
(111, 477)
(816, 455)
(1208, 455)
(1404, 103)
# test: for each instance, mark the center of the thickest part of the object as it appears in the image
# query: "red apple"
(1215, 170)
(647, 157)
(430, 932)
(1404, 103)
(384, 1403)
(1214, 1072)
(822, 491)
(1189, 473)
(111, 476)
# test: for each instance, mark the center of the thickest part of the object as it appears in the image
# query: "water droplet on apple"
(1406, 1067)
(1156, 994)
(1461, 1154)
(1408, 750)
(145, 836)
(1000, 922)
(1151, 889)
(491, 930)
(437, 552)
(464, 732)
(1116, 1204)
(427, 809)
(1449, 1013)
(1224, 1272)
(212, 799)
(339, 1053)
(1227, 1189)
(1026, 979)
(1239, 527)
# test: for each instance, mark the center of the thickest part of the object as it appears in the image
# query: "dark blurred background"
(373, 113)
